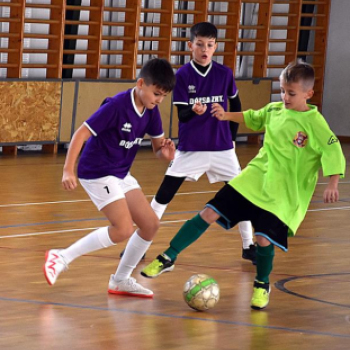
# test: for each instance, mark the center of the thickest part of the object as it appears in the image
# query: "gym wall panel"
(91, 94)
(67, 111)
(29, 111)
(336, 94)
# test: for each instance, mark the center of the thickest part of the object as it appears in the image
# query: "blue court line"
(157, 314)
(103, 218)
(52, 222)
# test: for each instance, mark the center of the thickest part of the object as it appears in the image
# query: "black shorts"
(233, 208)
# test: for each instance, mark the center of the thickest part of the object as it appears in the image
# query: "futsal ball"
(201, 292)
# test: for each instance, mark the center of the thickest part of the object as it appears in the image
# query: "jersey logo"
(300, 139)
(332, 140)
(191, 89)
(127, 127)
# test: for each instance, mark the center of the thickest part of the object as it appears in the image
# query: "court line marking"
(162, 223)
(280, 285)
(162, 315)
(147, 195)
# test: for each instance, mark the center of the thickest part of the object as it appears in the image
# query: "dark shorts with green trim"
(233, 208)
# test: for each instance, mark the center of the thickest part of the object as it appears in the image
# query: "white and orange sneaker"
(54, 265)
(128, 287)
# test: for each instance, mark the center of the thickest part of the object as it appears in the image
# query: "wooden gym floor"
(309, 307)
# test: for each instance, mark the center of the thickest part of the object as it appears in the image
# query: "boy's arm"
(331, 193)
(163, 148)
(69, 180)
(218, 112)
(235, 106)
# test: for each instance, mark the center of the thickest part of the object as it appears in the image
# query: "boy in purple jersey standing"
(113, 135)
(206, 145)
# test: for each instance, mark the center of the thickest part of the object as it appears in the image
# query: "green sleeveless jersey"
(282, 177)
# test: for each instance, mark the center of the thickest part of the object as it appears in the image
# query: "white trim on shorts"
(219, 166)
(105, 190)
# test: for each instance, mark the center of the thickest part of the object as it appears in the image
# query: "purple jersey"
(204, 132)
(118, 129)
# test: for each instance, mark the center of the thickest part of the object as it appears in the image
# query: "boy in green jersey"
(276, 187)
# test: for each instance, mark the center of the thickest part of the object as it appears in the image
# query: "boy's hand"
(330, 194)
(69, 181)
(199, 108)
(217, 111)
(167, 149)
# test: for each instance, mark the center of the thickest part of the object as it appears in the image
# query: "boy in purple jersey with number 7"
(113, 135)
(206, 145)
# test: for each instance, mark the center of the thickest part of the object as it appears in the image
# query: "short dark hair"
(205, 29)
(158, 72)
(297, 71)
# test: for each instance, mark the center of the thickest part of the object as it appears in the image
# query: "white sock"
(158, 208)
(134, 251)
(96, 240)
(246, 231)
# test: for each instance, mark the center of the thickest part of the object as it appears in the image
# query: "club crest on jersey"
(191, 89)
(127, 127)
(300, 139)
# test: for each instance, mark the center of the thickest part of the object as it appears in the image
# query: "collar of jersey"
(134, 104)
(200, 73)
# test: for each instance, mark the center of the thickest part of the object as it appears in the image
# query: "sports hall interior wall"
(50, 111)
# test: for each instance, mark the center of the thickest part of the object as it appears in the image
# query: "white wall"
(336, 98)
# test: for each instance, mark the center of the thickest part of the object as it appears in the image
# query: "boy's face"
(295, 95)
(148, 96)
(202, 49)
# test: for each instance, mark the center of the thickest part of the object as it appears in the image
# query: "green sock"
(188, 233)
(264, 259)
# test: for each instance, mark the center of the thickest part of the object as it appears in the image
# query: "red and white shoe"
(54, 265)
(128, 287)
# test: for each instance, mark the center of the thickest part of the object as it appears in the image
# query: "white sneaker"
(54, 265)
(128, 287)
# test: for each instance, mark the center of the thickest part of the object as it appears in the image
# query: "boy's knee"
(118, 234)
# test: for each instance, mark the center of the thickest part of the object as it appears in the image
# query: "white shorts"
(108, 189)
(219, 166)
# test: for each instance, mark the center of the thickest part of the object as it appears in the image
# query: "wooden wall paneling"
(199, 13)
(320, 28)
(55, 47)
(262, 36)
(30, 111)
(93, 38)
(94, 45)
(166, 12)
(131, 12)
(54, 38)
(292, 27)
(132, 24)
(15, 38)
(66, 129)
(231, 28)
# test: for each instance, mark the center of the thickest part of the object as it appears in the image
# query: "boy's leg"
(148, 223)
(188, 233)
(249, 249)
(166, 193)
(121, 227)
(265, 255)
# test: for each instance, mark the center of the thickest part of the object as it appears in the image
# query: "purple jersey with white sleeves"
(217, 85)
(118, 129)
